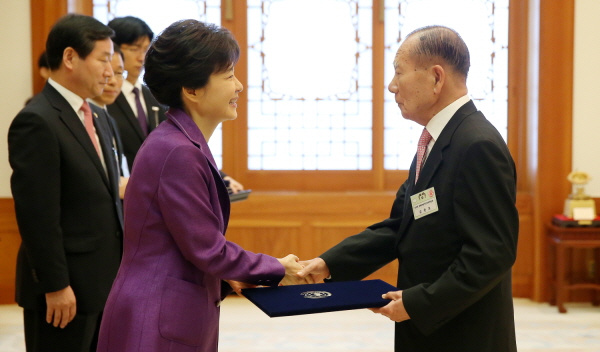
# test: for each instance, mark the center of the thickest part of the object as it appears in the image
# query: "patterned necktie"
(140, 110)
(421, 150)
(88, 122)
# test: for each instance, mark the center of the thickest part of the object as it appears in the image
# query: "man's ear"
(439, 77)
(69, 56)
(189, 93)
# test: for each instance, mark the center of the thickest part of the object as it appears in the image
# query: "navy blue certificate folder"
(319, 298)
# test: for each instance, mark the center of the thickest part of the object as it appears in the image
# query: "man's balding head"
(439, 42)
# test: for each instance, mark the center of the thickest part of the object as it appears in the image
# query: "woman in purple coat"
(177, 265)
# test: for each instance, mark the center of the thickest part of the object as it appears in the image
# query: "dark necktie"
(421, 150)
(88, 122)
(140, 111)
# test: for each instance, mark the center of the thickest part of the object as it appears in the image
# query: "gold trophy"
(579, 206)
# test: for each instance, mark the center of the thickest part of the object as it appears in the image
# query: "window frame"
(235, 139)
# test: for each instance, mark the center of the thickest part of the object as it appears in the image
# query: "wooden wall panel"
(523, 268)
(9, 245)
(326, 235)
(320, 220)
(277, 239)
(551, 149)
(306, 239)
(44, 14)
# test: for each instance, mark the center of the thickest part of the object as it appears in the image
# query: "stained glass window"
(483, 25)
(309, 85)
(310, 73)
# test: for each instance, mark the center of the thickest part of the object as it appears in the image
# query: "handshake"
(296, 273)
(303, 272)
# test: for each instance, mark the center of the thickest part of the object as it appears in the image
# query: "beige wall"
(15, 61)
(586, 93)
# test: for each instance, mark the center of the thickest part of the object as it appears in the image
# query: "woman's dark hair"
(185, 54)
(129, 30)
(76, 31)
(442, 42)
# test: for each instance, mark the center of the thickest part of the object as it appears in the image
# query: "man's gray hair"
(441, 42)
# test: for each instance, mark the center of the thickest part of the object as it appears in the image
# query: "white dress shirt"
(440, 120)
(76, 102)
(127, 90)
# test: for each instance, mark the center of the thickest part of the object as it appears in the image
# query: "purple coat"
(168, 290)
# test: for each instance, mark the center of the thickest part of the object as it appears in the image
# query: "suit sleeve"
(34, 156)
(487, 221)
(358, 256)
(185, 204)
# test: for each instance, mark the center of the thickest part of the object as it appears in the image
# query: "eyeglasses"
(121, 75)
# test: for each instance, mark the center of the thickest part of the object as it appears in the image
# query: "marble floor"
(244, 327)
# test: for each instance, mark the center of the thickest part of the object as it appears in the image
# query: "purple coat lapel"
(189, 128)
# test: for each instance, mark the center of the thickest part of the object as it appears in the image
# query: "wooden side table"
(560, 240)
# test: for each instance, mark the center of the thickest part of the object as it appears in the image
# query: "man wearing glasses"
(135, 110)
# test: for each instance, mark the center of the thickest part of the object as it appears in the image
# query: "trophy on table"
(579, 206)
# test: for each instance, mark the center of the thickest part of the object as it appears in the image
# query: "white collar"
(73, 99)
(128, 87)
(440, 120)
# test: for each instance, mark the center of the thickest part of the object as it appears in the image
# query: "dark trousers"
(80, 335)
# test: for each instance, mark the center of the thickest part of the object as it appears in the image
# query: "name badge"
(424, 203)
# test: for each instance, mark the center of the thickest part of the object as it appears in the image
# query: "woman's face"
(114, 84)
(217, 101)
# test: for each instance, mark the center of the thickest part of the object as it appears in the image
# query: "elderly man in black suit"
(454, 225)
(65, 187)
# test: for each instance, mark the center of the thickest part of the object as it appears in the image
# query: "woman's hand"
(237, 286)
(292, 267)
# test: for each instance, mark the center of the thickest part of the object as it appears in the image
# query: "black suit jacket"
(67, 205)
(455, 264)
(117, 144)
(131, 133)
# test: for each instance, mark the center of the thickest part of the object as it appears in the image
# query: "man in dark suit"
(136, 111)
(65, 188)
(454, 225)
(133, 36)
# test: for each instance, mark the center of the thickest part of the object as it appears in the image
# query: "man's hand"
(292, 267)
(61, 307)
(237, 286)
(395, 309)
(122, 186)
(315, 270)
(234, 185)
